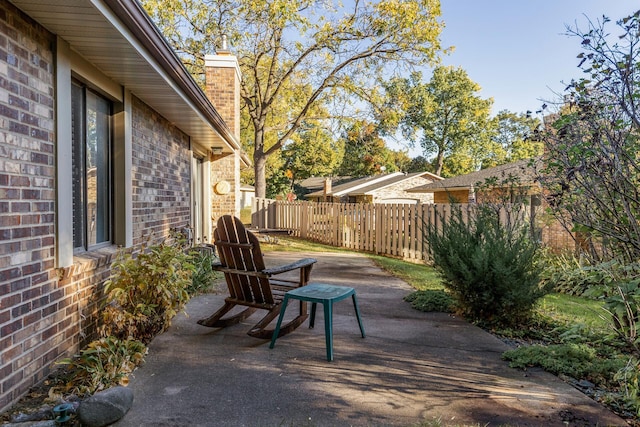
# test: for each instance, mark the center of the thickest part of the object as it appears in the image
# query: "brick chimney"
(222, 77)
(222, 87)
(327, 189)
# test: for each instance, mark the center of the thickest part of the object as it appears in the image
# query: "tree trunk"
(259, 159)
(439, 162)
(259, 168)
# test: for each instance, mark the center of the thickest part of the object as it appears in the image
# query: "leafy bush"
(624, 307)
(145, 291)
(104, 363)
(431, 300)
(488, 268)
(568, 275)
(629, 379)
(578, 361)
(203, 274)
(592, 174)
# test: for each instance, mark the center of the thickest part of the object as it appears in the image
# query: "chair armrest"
(268, 272)
(301, 263)
(219, 267)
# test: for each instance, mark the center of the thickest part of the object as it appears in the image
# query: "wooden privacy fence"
(387, 229)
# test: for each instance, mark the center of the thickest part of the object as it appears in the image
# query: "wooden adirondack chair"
(250, 283)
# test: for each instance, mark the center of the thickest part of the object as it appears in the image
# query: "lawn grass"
(421, 276)
(284, 243)
(573, 309)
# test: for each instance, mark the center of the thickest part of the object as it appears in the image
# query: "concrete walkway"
(412, 369)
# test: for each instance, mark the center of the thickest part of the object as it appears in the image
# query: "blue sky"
(518, 50)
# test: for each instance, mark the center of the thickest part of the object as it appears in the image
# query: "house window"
(91, 123)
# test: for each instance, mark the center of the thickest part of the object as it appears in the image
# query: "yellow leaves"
(413, 24)
(102, 364)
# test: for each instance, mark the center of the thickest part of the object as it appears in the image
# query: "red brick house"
(468, 189)
(105, 140)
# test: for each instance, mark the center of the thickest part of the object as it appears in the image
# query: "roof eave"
(138, 22)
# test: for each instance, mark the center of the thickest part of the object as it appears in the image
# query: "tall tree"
(518, 136)
(445, 115)
(419, 164)
(304, 51)
(365, 152)
(592, 170)
(312, 152)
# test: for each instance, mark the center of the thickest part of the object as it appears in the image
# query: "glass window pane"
(98, 169)
(78, 172)
(91, 138)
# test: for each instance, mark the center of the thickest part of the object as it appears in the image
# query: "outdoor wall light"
(216, 151)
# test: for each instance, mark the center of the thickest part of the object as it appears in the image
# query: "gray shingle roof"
(392, 180)
(523, 169)
(316, 183)
(344, 188)
(361, 186)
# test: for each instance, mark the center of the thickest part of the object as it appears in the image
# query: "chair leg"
(215, 321)
(355, 305)
(260, 331)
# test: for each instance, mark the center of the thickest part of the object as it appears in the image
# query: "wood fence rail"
(387, 229)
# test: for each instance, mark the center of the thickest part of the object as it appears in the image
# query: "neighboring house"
(106, 141)
(319, 183)
(247, 194)
(464, 188)
(389, 188)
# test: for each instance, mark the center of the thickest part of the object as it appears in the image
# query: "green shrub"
(145, 291)
(103, 364)
(431, 300)
(578, 361)
(624, 306)
(629, 379)
(203, 274)
(488, 268)
(568, 275)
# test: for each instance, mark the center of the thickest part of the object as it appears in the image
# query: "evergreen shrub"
(489, 268)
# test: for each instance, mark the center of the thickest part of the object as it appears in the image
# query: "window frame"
(70, 66)
(84, 221)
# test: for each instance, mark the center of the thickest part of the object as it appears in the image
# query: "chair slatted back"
(239, 249)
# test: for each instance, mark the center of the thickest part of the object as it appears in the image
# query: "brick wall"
(48, 313)
(161, 175)
(222, 78)
(554, 235)
(223, 89)
(223, 168)
(29, 295)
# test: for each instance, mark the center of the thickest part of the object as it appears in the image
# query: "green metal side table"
(325, 295)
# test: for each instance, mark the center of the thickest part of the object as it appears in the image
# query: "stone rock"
(105, 407)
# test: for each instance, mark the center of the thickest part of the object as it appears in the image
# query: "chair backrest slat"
(239, 249)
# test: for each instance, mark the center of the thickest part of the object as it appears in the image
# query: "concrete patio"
(412, 369)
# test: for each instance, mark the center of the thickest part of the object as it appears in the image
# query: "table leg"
(328, 328)
(355, 305)
(276, 331)
(313, 315)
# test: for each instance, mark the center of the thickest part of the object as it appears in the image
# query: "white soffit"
(94, 31)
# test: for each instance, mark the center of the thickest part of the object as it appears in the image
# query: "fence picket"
(387, 229)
